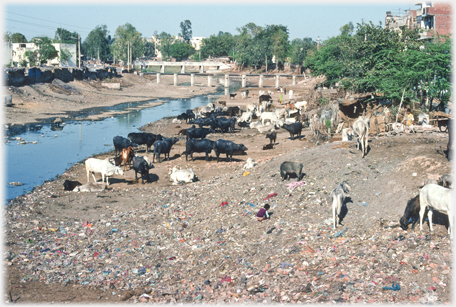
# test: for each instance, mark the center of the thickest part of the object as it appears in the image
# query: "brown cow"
(127, 155)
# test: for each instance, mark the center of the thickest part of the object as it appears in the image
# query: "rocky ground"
(199, 242)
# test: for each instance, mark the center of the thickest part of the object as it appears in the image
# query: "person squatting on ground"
(263, 213)
(408, 118)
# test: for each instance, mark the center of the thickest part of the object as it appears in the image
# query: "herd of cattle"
(210, 119)
(205, 120)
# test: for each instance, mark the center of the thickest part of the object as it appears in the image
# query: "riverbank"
(38, 102)
(199, 242)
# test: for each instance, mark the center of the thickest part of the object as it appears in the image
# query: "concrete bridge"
(216, 66)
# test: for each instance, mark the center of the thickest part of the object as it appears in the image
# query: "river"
(49, 152)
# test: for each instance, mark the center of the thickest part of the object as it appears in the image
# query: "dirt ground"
(382, 182)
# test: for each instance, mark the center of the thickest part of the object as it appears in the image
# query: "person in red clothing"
(263, 213)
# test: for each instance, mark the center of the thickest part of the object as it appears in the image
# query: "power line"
(53, 28)
(48, 21)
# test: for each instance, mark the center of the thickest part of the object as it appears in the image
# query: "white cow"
(266, 128)
(245, 117)
(281, 113)
(301, 105)
(271, 116)
(104, 167)
(185, 175)
(361, 129)
(254, 125)
(90, 187)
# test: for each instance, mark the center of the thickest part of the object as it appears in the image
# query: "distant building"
(195, 42)
(7, 52)
(18, 51)
(432, 18)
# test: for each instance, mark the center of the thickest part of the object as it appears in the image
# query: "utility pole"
(79, 47)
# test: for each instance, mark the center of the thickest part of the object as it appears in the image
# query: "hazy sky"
(303, 18)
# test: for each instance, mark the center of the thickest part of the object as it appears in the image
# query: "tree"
(32, 58)
(18, 38)
(186, 31)
(221, 44)
(149, 49)
(127, 34)
(166, 40)
(46, 51)
(97, 43)
(279, 38)
(181, 50)
(299, 49)
(64, 36)
(7, 36)
(65, 55)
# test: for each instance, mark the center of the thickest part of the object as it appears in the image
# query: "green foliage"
(149, 49)
(127, 34)
(6, 36)
(181, 51)
(217, 45)
(65, 55)
(23, 63)
(46, 51)
(97, 43)
(32, 58)
(18, 38)
(379, 59)
(328, 123)
(166, 40)
(299, 49)
(323, 101)
(186, 31)
(65, 37)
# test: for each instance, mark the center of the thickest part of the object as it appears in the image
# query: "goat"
(361, 129)
(272, 137)
(338, 199)
(412, 210)
(432, 197)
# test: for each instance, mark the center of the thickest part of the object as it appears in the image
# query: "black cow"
(140, 165)
(293, 129)
(183, 116)
(198, 133)
(69, 185)
(228, 147)
(144, 138)
(233, 111)
(224, 124)
(291, 168)
(232, 95)
(194, 145)
(265, 97)
(272, 137)
(201, 122)
(412, 210)
(243, 124)
(120, 143)
(163, 146)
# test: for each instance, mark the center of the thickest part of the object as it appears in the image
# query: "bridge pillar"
(201, 69)
(227, 80)
(277, 83)
(209, 81)
(244, 80)
(260, 82)
(192, 79)
(183, 69)
(158, 78)
(175, 79)
(162, 69)
(227, 90)
(293, 80)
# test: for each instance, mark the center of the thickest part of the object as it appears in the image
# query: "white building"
(18, 51)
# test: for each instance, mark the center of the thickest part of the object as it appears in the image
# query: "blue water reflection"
(56, 151)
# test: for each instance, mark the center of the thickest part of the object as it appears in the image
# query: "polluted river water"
(47, 152)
